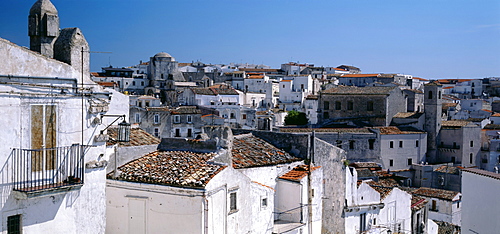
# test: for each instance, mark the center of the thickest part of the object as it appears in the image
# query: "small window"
(391, 144)
(189, 119)
(232, 202)
(14, 224)
(391, 162)
(137, 117)
(177, 118)
(416, 143)
(156, 118)
(338, 105)
(326, 105)
(157, 132)
(190, 132)
(471, 143)
(400, 144)
(430, 95)
(177, 132)
(244, 116)
(232, 116)
(351, 144)
(264, 202)
(471, 157)
(369, 106)
(350, 105)
(371, 143)
(410, 162)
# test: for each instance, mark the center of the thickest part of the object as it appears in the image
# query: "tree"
(296, 118)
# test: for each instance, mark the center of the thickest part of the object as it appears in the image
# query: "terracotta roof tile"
(455, 123)
(447, 169)
(297, 173)
(340, 130)
(382, 190)
(436, 193)
(394, 130)
(138, 137)
(349, 90)
(174, 168)
(418, 202)
(483, 173)
(251, 151)
(404, 115)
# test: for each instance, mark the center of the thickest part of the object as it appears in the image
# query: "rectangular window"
(244, 116)
(157, 118)
(416, 143)
(350, 105)
(177, 132)
(190, 132)
(43, 135)
(434, 206)
(391, 162)
(471, 143)
(400, 144)
(157, 132)
(362, 222)
(371, 143)
(391, 144)
(177, 118)
(14, 224)
(326, 105)
(264, 202)
(351, 144)
(410, 161)
(232, 202)
(338, 105)
(369, 106)
(189, 119)
(137, 117)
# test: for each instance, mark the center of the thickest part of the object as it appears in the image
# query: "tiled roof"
(186, 110)
(447, 105)
(483, 173)
(365, 165)
(251, 151)
(174, 168)
(436, 193)
(364, 172)
(417, 202)
(339, 130)
(496, 115)
(391, 130)
(447, 228)
(433, 83)
(211, 116)
(448, 169)
(492, 127)
(106, 84)
(138, 137)
(312, 97)
(297, 173)
(421, 79)
(384, 191)
(286, 80)
(413, 90)
(455, 123)
(255, 77)
(360, 75)
(405, 115)
(348, 90)
(260, 70)
(203, 91)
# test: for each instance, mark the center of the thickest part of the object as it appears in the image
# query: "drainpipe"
(309, 183)
(115, 174)
(205, 208)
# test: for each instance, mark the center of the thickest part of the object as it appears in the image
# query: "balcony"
(37, 172)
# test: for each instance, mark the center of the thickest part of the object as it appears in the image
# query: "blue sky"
(425, 38)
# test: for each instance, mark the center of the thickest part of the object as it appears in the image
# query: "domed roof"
(163, 54)
(44, 6)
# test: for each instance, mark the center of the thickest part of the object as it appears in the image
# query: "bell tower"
(433, 113)
(43, 27)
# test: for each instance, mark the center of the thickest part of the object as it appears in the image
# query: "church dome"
(164, 55)
(43, 6)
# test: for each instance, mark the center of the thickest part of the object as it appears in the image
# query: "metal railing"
(43, 169)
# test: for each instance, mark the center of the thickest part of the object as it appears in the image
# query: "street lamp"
(123, 128)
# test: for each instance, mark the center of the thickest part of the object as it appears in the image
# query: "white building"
(52, 113)
(444, 205)
(480, 208)
(400, 149)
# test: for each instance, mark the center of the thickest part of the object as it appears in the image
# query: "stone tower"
(433, 113)
(43, 27)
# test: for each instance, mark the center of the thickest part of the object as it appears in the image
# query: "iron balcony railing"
(46, 169)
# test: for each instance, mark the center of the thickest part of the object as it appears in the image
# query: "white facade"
(481, 208)
(396, 214)
(400, 151)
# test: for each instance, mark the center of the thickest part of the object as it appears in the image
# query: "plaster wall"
(480, 201)
(404, 147)
(396, 213)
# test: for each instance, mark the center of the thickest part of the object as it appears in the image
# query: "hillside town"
(164, 146)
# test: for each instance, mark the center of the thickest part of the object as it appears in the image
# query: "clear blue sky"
(424, 38)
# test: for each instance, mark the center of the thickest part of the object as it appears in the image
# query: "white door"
(137, 216)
